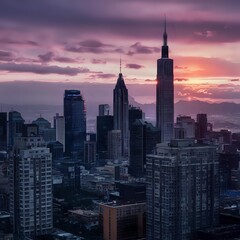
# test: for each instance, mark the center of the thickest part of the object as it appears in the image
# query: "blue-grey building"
(75, 123)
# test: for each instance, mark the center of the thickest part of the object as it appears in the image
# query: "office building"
(89, 154)
(120, 113)
(114, 144)
(201, 126)
(165, 93)
(103, 110)
(187, 124)
(134, 114)
(123, 220)
(31, 186)
(143, 139)
(75, 123)
(3, 131)
(60, 130)
(104, 125)
(15, 124)
(182, 190)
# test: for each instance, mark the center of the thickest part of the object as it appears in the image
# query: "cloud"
(221, 19)
(234, 80)
(98, 61)
(102, 76)
(18, 42)
(92, 46)
(6, 56)
(180, 79)
(150, 80)
(206, 67)
(134, 66)
(180, 67)
(50, 56)
(138, 48)
(47, 57)
(41, 69)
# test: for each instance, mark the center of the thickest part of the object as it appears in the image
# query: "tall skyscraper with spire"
(165, 93)
(120, 112)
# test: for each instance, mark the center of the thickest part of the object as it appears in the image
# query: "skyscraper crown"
(165, 46)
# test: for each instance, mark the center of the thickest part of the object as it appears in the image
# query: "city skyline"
(82, 44)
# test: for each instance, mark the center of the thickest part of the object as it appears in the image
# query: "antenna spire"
(165, 37)
(120, 64)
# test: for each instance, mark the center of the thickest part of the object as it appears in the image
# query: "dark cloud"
(102, 76)
(6, 56)
(134, 66)
(50, 56)
(180, 79)
(98, 61)
(79, 18)
(41, 69)
(180, 67)
(47, 57)
(65, 60)
(138, 48)
(18, 42)
(92, 46)
(234, 80)
(150, 80)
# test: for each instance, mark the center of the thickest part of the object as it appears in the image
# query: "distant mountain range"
(222, 115)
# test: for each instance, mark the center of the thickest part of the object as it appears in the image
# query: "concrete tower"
(165, 93)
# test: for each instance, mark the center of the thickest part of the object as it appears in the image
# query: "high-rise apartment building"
(31, 186)
(182, 190)
(3, 131)
(165, 93)
(120, 113)
(75, 123)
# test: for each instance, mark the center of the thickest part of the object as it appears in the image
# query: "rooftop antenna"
(120, 64)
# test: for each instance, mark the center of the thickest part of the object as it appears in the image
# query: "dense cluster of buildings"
(172, 181)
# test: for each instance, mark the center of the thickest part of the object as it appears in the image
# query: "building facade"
(75, 123)
(104, 125)
(120, 113)
(3, 131)
(182, 190)
(123, 221)
(31, 187)
(165, 93)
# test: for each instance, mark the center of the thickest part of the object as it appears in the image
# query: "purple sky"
(70, 41)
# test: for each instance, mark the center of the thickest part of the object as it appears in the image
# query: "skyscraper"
(3, 131)
(75, 123)
(31, 185)
(60, 130)
(201, 126)
(103, 109)
(188, 126)
(165, 93)
(104, 125)
(182, 189)
(120, 112)
(15, 125)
